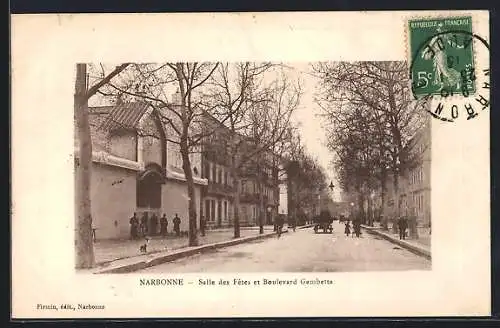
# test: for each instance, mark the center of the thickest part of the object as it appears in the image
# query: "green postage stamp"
(442, 58)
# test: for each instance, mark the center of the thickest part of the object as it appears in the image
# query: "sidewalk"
(421, 246)
(106, 251)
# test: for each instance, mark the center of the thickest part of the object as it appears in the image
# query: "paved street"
(302, 251)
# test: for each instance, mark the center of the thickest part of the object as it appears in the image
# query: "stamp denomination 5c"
(443, 65)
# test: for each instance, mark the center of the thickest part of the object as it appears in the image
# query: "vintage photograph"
(206, 167)
(251, 165)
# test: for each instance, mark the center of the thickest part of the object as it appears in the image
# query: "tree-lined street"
(302, 251)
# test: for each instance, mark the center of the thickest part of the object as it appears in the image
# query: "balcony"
(219, 189)
(252, 198)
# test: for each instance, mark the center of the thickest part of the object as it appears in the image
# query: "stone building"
(414, 197)
(136, 168)
(218, 196)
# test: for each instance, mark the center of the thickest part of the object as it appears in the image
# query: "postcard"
(251, 164)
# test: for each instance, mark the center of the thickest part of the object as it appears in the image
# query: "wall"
(123, 145)
(151, 144)
(113, 200)
(175, 200)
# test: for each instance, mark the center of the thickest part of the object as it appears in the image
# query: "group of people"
(356, 226)
(148, 226)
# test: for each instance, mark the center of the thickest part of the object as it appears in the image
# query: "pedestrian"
(177, 225)
(347, 229)
(402, 225)
(153, 227)
(357, 227)
(405, 226)
(144, 224)
(279, 225)
(164, 225)
(134, 226)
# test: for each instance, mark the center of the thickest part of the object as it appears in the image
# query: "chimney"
(176, 97)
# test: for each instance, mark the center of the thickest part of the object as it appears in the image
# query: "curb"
(421, 251)
(160, 259)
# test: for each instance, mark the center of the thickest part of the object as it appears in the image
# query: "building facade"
(414, 197)
(217, 196)
(258, 176)
(135, 169)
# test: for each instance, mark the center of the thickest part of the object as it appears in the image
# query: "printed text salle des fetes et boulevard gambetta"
(233, 282)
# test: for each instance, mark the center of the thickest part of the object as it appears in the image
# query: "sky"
(312, 132)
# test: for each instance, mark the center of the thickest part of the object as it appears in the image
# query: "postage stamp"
(443, 64)
(443, 56)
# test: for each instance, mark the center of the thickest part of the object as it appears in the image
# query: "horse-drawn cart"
(323, 222)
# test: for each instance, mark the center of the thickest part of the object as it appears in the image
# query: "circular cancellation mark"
(443, 68)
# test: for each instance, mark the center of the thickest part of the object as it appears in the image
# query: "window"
(219, 211)
(212, 216)
(225, 178)
(225, 210)
(220, 176)
(214, 172)
(207, 210)
(206, 171)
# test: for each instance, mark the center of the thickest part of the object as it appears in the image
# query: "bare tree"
(183, 119)
(306, 177)
(255, 104)
(382, 90)
(84, 241)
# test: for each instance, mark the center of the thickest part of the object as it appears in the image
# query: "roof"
(124, 115)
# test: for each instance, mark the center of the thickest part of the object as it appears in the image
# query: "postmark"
(444, 72)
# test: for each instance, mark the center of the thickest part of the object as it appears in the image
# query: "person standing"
(164, 225)
(402, 225)
(405, 226)
(153, 229)
(347, 229)
(357, 228)
(144, 224)
(177, 225)
(279, 225)
(134, 227)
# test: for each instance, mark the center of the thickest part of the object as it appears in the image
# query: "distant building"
(415, 185)
(135, 169)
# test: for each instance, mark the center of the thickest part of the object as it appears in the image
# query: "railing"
(219, 188)
(253, 198)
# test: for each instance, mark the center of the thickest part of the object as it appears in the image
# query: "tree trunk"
(236, 189)
(83, 240)
(261, 201)
(382, 205)
(397, 203)
(186, 166)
